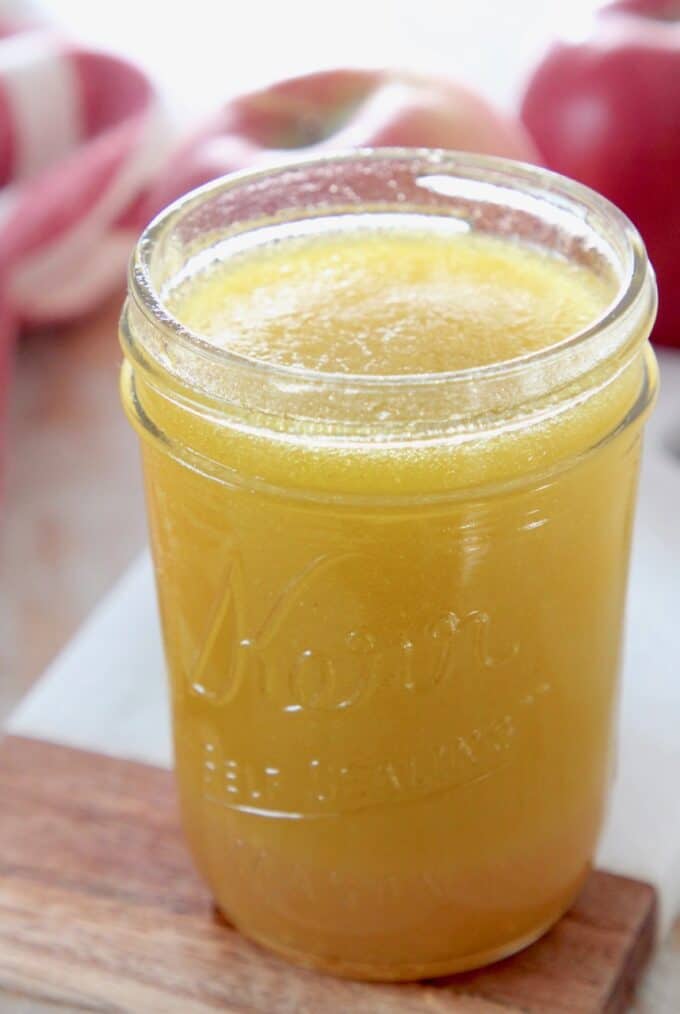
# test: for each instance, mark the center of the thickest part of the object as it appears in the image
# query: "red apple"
(331, 110)
(606, 110)
(663, 10)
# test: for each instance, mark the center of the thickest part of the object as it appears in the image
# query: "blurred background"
(71, 513)
(201, 52)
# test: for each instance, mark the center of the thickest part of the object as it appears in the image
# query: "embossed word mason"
(310, 788)
(416, 661)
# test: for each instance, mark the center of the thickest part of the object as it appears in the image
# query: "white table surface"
(106, 691)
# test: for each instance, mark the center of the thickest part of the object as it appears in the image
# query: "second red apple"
(339, 109)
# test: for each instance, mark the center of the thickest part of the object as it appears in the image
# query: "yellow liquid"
(377, 302)
(394, 668)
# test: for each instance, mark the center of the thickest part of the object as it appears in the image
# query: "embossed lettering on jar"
(390, 408)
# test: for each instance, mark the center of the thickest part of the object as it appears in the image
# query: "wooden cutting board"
(100, 910)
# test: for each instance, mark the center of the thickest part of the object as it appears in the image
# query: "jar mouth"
(442, 172)
(495, 197)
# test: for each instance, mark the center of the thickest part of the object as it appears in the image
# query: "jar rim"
(633, 290)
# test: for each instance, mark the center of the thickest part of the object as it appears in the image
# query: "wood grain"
(100, 910)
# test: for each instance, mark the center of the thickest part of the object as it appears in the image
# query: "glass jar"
(392, 605)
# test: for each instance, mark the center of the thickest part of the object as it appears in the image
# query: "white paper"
(106, 691)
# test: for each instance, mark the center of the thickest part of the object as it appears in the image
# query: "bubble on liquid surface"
(412, 297)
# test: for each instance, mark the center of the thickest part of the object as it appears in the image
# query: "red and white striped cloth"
(81, 137)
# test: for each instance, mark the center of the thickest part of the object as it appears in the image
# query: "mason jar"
(392, 605)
